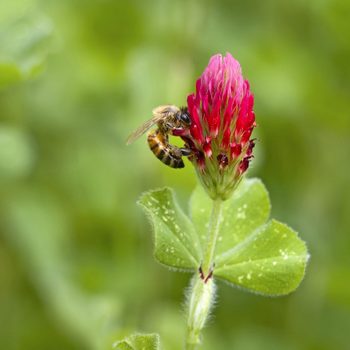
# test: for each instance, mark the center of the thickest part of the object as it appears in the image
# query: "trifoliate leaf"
(267, 258)
(176, 242)
(139, 342)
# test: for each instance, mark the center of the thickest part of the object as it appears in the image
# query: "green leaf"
(251, 253)
(24, 42)
(176, 242)
(139, 342)
(245, 211)
(123, 345)
(267, 258)
(38, 230)
(270, 261)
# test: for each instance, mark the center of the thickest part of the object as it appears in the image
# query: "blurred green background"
(76, 266)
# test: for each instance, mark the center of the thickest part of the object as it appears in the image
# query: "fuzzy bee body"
(166, 153)
(169, 120)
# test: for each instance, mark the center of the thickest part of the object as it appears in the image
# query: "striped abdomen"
(166, 153)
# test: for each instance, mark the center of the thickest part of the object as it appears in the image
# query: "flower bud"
(222, 116)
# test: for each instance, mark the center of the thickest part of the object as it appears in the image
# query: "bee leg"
(186, 152)
(168, 126)
(176, 151)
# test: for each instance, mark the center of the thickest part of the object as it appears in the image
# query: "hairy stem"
(202, 289)
(199, 304)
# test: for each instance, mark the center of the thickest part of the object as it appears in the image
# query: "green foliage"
(244, 212)
(261, 257)
(270, 260)
(176, 241)
(16, 153)
(37, 231)
(24, 39)
(139, 342)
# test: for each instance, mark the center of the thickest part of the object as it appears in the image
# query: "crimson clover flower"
(222, 116)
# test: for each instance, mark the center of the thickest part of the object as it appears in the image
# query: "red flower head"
(222, 123)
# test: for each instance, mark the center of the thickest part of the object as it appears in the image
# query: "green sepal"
(176, 242)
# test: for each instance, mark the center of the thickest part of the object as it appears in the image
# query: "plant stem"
(208, 259)
(199, 304)
(202, 289)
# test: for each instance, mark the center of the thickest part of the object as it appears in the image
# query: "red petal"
(207, 148)
(236, 149)
(226, 138)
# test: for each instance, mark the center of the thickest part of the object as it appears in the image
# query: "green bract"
(253, 253)
(139, 342)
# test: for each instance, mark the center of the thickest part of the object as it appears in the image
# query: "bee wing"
(143, 128)
(164, 110)
(159, 113)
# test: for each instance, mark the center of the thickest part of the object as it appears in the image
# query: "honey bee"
(169, 120)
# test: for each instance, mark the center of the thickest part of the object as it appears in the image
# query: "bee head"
(184, 117)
